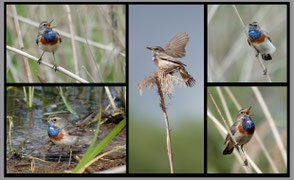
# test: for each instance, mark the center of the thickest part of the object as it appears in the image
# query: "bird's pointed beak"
(150, 48)
(49, 24)
(247, 112)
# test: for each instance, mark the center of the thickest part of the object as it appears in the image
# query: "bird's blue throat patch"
(254, 33)
(52, 131)
(49, 35)
(248, 124)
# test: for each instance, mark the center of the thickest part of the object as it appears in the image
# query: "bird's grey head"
(44, 25)
(254, 24)
(156, 49)
(58, 120)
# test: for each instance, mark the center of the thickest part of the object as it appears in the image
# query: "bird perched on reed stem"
(242, 131)
(48, 40)
(165, 58)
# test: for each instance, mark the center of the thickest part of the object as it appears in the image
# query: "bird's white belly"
(241, 138)
(67, 140)
(265, 48)
(49, 48)
(166, 65)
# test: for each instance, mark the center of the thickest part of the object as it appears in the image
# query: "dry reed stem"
(163, 108)
(224, 104)
(10, 130)
(88, 73)
(165, 86)
(33, 165)
(266, 153)
(72, 33)
(93, 57)
(271, 122)
(59, 68)
(236, 103)
(211, 13)
(110, 98)
(242, 153)
(257, 57)
(21, 45)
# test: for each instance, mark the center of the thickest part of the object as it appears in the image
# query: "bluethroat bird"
(64, 133)
(242, 130)
(48, 40)
(261, 41)
(165, 58)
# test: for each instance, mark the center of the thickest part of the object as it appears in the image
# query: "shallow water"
(29, 132)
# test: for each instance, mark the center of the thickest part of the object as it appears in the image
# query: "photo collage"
(81, 79)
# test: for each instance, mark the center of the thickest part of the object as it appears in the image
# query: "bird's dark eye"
(242, 112)
(54, 120)
(44, 24)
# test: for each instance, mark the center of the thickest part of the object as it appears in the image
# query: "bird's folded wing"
(233, 130)
(170, 59)
(75, 130)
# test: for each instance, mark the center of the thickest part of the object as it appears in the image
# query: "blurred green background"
(147, 144)
(230, 58)
(101, 27)
(276, 101)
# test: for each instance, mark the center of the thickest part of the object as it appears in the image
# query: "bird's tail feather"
(189, 80)
(229, 149)
(266, 57)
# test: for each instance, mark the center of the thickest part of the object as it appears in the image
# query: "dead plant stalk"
(168, 136)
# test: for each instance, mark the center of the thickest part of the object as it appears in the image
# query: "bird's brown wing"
(233, 130)
(75, 130)
(267, 36)
(37, 40)
(60, 40)
(176, 46)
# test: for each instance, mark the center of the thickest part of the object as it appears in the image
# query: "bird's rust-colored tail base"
(189, 80)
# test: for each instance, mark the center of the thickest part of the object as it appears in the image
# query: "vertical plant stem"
(237, 104)
(25, 95)
(9, 132)
(93, 57)
(27, 68)
(31, 94)
(110, 98)
(271, 123)
(224, 103)
(72, 33)
(168, 135)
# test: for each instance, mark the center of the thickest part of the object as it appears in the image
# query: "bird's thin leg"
(265, 69)
(237, 147)
(40, 59)
(54, 66)
(59, 158)
(69, 156)
(242, 149)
